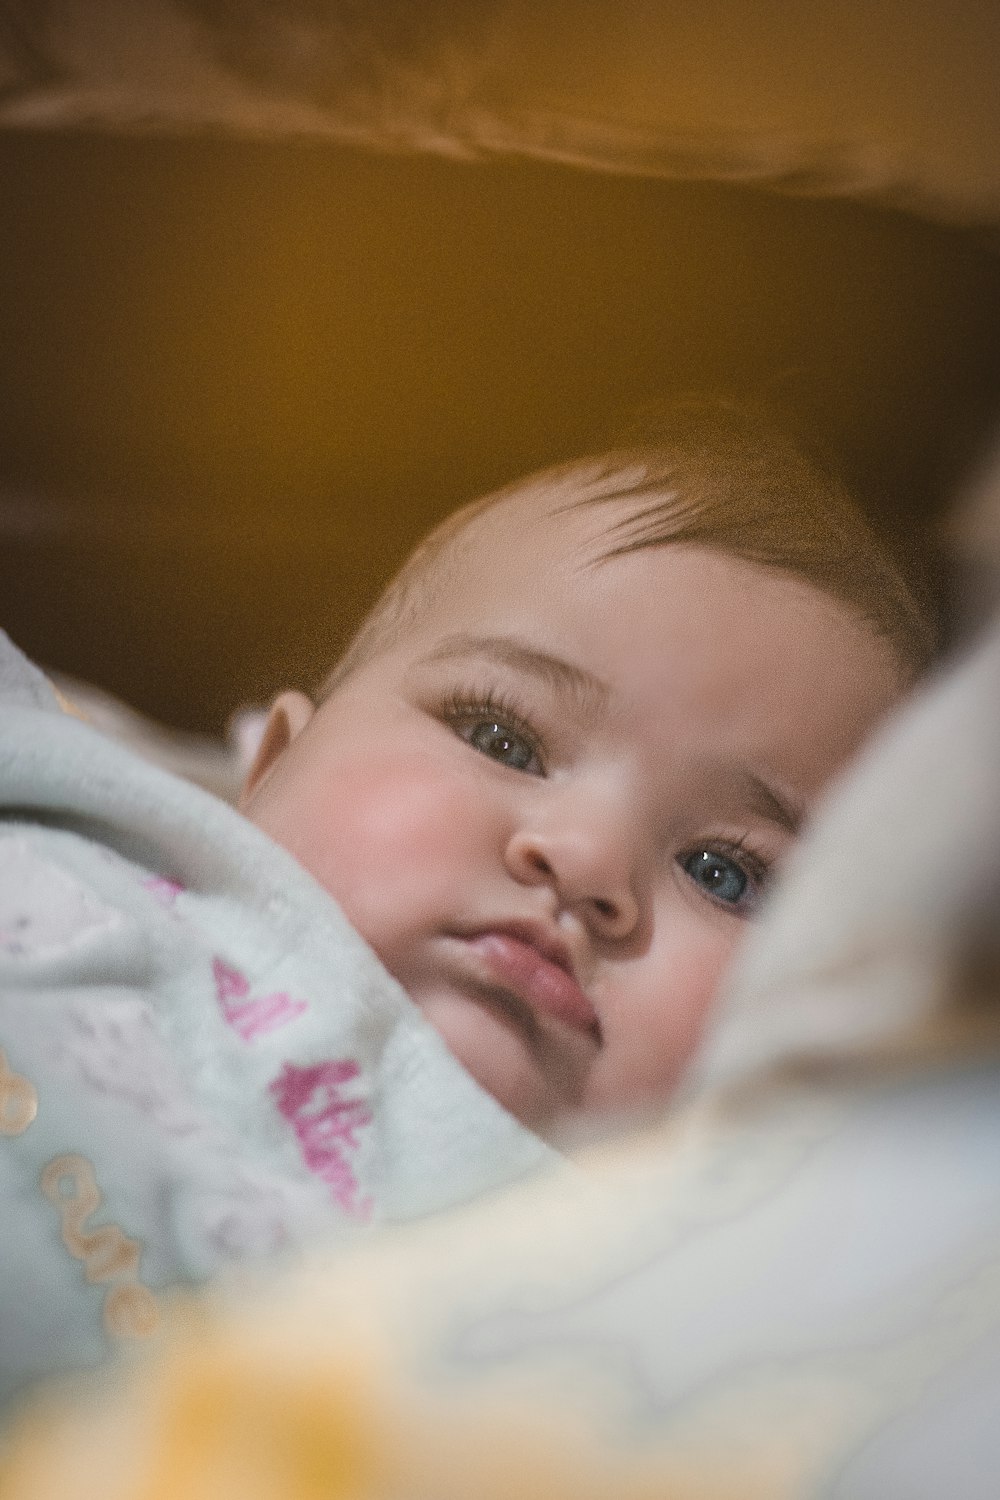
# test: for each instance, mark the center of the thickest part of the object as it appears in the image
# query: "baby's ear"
(290, 713)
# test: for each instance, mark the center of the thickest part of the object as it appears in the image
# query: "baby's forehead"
(582, 484)
(565, 505)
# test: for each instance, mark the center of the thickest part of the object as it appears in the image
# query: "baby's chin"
(494, 1049)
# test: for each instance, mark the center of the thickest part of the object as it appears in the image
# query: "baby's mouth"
(512, 963)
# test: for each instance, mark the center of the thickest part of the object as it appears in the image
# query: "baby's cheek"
(699, 982)
(690, 1011)
(397, 810)
(404, 822)
(680, 1003)
(383, 840)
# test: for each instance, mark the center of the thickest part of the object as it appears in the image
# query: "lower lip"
(540, 983)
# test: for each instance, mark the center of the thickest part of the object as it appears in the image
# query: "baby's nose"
(591, 865)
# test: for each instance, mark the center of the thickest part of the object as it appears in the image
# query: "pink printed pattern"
(162, 889)
(251, 1018)
(326, 1124)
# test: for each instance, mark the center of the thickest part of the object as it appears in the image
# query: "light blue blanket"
(201, 1062)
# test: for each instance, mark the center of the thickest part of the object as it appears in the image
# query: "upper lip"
(542, 939)
(572, 1002)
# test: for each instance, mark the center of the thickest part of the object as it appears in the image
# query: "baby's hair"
(711, 473)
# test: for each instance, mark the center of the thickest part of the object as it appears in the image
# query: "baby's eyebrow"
(771, 804)
(564, 678)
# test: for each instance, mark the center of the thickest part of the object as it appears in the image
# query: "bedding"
(789, 1288)
(785, 96)
(201, 1064)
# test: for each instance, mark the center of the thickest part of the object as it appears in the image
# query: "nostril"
(606, 908)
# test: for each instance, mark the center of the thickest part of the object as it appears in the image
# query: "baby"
(552, 776)
(547, 787)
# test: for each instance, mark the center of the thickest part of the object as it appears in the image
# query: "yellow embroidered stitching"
(107, 1253)
(18, 1100)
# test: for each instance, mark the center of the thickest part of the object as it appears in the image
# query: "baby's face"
(553, 806)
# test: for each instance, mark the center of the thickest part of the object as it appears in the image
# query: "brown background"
(238, 378)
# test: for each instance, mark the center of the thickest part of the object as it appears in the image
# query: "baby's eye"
(491, 724)
(732, 882)
(503, 743)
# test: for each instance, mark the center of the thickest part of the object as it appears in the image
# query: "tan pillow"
(894, 100)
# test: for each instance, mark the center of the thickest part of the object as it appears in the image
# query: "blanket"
(201, 1063)
(789, 1289)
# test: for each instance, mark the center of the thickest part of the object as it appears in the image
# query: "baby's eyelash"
(702, 863)
(491, 703)
(757, 864)
(462, 707)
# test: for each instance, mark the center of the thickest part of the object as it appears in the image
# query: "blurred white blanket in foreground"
(790, 1288)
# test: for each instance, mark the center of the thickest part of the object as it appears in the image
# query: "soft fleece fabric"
(789, 1289)
(201, 1062)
